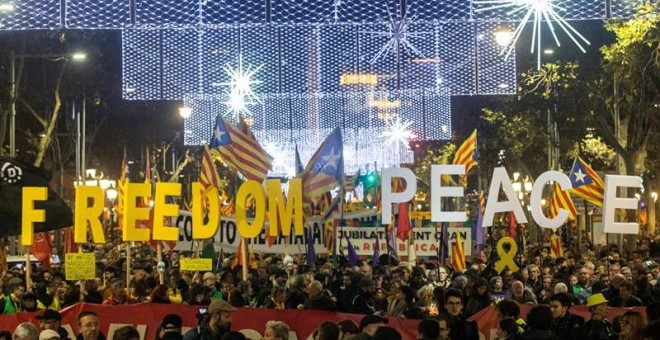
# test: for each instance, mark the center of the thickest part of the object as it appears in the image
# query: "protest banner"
(80, 266)
(249, 321)
(487, 320)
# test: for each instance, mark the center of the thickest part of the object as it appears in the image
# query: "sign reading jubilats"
(289, 210)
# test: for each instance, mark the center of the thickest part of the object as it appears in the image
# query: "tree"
(627, 97)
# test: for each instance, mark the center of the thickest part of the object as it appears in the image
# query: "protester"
(170, 327)
(213, 324)
(126, 333)
(370, 324)
(597, 327)
(48, 334)
(51, 319)
(26, 331)
(632, 326)
(565, 325)
(89, 327)
(276, 330)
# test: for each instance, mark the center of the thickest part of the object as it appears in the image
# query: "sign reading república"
(80, 266)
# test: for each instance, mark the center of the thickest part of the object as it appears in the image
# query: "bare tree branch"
(45, 140)
(34, 113)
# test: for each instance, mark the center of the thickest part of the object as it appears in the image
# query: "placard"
(195, 265)
(80, 266)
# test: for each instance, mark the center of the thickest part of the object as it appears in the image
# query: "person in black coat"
(597, 327)
(565, 325)
(317, 299)
(459, 327)
(539, 323)
(363, 302)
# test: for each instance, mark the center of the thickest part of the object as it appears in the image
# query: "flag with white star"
(325, 170)
(586, 182)
(240, 150)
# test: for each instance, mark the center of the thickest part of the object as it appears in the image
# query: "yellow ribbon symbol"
(506, 257)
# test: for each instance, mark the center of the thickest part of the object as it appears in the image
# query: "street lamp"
(79, 56)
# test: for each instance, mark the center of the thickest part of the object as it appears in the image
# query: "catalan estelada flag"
(241, 151)
(586, 182)
(208, 174)
(561, 200)
(465, 155)
(325, 170)
(457, 253)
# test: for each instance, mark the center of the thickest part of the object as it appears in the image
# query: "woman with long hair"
(632, 326)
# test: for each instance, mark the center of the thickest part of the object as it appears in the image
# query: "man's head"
(171, 323)
(517, 288)
(584, 277)
(597, 305)
(26, 331)
(49, 334)
(428, 329)
(17, 289)
(615, 268)
(626, 289)
(328, 330)
(496, 283)
(454, 302)
(617, 280)
(49, 319)
(29, 302)
(540, 318)
(314, 288)
(209, 280)
(559, 305)
(370, 324)
(368, 286)
(221, 312)
(110, 273)
(442, 274)
(443, 327)
(88, 325)
(507, 309)
(534, 272)
(627, 272)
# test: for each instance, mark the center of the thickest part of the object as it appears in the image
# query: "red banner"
(250, 321)
(487, 317)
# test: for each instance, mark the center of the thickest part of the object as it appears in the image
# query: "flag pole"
(28, 271)
(128, 264)
(159, 256)
(244, 256)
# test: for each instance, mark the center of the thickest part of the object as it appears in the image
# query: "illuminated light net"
(171, 63)
(120, 14)
(282, 120)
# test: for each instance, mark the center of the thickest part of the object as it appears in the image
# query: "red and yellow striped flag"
(556, 248)
(457, 254)
(465, 155)
(561, 200)
(121, 191)
(208, 174)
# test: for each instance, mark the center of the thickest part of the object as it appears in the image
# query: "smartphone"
(56, 259)
(202, 311)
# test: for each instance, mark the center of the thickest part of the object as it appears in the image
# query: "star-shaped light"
(537, 11)
(240, 85)
(397, 35)
(579, 176)
(398, 132)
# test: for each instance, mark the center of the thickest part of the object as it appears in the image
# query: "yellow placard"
(195, 265)
(80, 266)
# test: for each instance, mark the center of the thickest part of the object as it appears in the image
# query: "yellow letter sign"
(86, 215)
(163, 209)
(256, 191)
(132, 213)
(276, 206)
(201, 197)
(30, 214)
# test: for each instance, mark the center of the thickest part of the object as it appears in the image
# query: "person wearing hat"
(370, 324)
(363, 302)
(597, 327)
(51, 319)
(170, 327)
(49, 334)
(214, 324)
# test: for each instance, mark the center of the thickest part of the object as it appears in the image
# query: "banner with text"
(249, 321)
(227, 238)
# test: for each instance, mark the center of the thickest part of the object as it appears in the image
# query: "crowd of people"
(442, 298)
